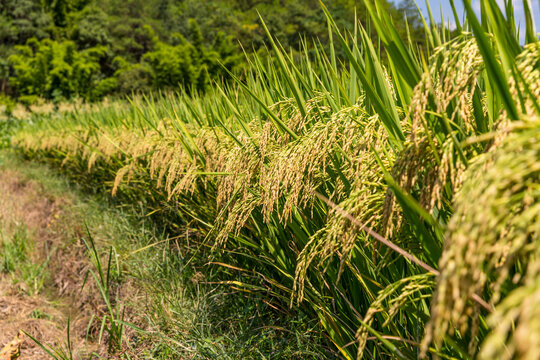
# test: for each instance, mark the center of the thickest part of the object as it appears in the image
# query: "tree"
(58, 9)
(172, 66)
(56, 70)
(162, 43)
(88, 30)
(21, 20)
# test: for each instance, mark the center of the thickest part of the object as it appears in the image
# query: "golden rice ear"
(450, 80)
(426, 162)
(528, 65)
(390, 301)
(364, 201)
(119, 177)
(496, 224)
(487, 236)
(515, 322)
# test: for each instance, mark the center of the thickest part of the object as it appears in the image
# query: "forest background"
(87, 49)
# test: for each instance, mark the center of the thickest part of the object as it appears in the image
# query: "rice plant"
(392, 197)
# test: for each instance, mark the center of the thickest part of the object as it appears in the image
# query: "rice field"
(393, 195)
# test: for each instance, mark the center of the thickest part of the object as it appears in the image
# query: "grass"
(16, 249)
(338, 191)
(152, 296)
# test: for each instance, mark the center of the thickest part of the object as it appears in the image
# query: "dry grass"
(43, 310)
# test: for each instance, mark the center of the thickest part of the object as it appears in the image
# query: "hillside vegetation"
(392, 195)
(87, 49)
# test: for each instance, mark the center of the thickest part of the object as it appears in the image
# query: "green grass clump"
(340, 189)
(16, 260)
(15, 250)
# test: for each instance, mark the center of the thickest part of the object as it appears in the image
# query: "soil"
(57, 244)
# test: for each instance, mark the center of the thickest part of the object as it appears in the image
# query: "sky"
(436, 6)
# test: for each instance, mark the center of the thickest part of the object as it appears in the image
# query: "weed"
(17, 249)
(57, 353)
(112, 322)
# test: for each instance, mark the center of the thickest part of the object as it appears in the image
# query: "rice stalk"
(494, 228)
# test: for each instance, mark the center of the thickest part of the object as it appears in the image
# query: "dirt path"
(42, 268)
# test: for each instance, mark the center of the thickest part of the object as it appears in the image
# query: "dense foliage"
(61, 49)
